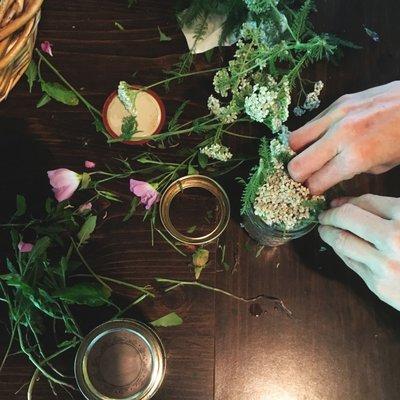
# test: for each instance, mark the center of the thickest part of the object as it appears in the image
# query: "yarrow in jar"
(274, 196)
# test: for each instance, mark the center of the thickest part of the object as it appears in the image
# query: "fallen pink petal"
(146, 192)
(64, 183)
(85, 207)
(47, 47)
(25, 247)
(90, 164)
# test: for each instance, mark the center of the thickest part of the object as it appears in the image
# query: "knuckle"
(341, 241)
(344, 98)
(365, 198)
(355, 157)
(344, 211)
(394, 239)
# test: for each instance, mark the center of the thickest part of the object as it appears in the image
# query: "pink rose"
(89, 164)
(47, 47)
(64, 183)
(148, 195)
(25, 247)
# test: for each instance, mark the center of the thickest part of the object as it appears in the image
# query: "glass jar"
(267, 235)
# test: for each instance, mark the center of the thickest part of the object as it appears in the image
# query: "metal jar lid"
(121, 359)
(195, 181)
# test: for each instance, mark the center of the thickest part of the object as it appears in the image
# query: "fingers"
(358, 221)
(312, 159)
(382, 206)
(329, 175)
(309, 133)
(349, 245)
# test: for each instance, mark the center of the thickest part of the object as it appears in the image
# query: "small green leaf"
(132, 209)
(87, 229)
(108, 195)
(60, 93)
(67, 343)
(39, 248)
(372, 34)
(192, 170)
(49, 205)
(192, 229)
(203, 160)
(209, 54)
(119, 26)
(86, 293)
(259, 251)
(21, 206)
(226, 266)
(31, 74)
(15, 238)
(99, 126)
(200, 257)
(163, 36)
(85, 180)
(172, 319)
(129, 127)
(43, 101)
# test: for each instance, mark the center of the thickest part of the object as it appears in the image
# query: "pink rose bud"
(64, 183)
(47, 47)
(25, 247)
(147, 194)
(89, 164)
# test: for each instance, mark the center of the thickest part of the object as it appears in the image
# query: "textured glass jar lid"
(121, 359)
(184, 184)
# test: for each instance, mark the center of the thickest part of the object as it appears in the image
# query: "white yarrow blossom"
(258, 105)
(269, 104)
(217, 151)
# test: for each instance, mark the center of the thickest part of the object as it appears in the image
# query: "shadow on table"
(23, 165)
(316, 255)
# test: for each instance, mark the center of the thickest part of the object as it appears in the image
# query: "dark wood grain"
(342, 342)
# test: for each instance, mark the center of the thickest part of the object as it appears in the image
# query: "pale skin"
(358, 133)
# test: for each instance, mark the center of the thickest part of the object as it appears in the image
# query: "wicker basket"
(18, 28)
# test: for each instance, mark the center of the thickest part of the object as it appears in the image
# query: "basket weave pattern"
(19, 20)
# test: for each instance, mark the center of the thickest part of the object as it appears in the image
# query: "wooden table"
(341, 344)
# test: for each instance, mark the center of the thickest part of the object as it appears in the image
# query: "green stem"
(170, 243)
(37, 364)
(118, 282)
(180, 76)
(88, 267)
(176, 284)
(6, 354)
(127, 308)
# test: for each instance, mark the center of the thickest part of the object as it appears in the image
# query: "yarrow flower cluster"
(280, 201)
(226, 114)
(269, 104)
(217, 151)
(260, 6)
(312, 100)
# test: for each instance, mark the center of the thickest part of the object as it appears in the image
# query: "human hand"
(358, 133)
(365, 233)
